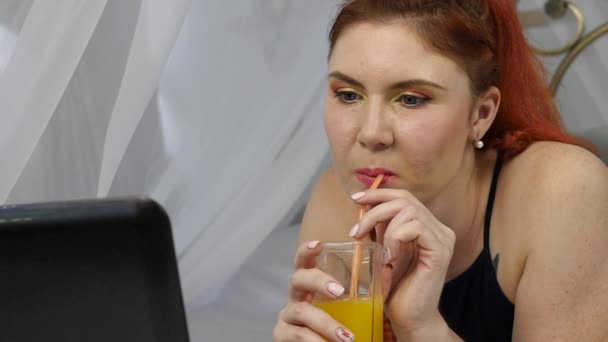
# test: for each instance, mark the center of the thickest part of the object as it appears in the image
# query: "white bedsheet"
(247, 308)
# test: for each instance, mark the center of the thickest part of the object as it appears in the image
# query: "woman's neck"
(461, 206)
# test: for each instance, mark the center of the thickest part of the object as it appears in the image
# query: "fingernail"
(335, 289)
(357, 196)
(345, 335)
(313, 244)
(354, 231)
(387, 256)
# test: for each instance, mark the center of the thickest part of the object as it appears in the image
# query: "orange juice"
(362, 316)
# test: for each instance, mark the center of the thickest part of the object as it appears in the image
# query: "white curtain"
(226, 133)
(243, 90)
(213, 108)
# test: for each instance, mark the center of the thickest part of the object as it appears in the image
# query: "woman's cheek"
(341, 133)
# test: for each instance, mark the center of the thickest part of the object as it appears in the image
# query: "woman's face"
(396, 107)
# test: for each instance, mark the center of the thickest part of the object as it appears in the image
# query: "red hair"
(486, 39)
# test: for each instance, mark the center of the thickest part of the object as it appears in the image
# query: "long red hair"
(486, 39)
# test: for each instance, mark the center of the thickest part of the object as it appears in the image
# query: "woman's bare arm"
(563, 292)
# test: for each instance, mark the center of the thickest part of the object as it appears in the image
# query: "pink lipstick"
(368, 175)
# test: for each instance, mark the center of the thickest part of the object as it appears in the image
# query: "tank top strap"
(490, 204)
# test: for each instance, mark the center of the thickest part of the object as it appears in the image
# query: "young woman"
(494, 220)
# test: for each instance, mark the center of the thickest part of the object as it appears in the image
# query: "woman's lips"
(367, 176)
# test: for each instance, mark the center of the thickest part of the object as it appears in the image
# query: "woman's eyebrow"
(347, 79)
(398, 85)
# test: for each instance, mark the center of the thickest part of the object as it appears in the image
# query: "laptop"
(89, 271)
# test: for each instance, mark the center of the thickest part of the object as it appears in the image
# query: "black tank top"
(473, 303)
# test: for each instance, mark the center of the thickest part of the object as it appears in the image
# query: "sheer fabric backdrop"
(226, 133)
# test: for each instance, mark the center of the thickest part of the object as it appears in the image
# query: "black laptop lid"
(95, 270)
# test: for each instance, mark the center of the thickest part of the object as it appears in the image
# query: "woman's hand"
(418, 251)
(300, 320)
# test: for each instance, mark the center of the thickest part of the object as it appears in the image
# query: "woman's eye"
(412, 101)
(348, 96)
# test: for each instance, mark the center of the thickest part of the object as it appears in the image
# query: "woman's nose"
(376, 132)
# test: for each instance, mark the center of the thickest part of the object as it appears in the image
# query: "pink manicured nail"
(335, 289)
(345, 335)
(357, 196)
(354, 231)
(313, 244)
(387, 255)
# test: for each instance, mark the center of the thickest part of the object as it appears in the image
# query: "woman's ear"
(484, 112)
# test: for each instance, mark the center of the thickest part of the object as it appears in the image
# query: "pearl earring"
(478, 144)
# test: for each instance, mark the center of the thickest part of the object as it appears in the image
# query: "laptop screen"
(95, 270)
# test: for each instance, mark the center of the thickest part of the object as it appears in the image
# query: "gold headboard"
(557, 9)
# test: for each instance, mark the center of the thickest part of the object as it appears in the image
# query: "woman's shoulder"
(330, 213)
(552, 199)
(544, 156)
(550, 183)
(547, 170)
(553, 224)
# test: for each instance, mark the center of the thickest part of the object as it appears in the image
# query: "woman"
(492, 217)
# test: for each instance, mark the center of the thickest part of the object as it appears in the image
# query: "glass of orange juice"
(358, 267)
